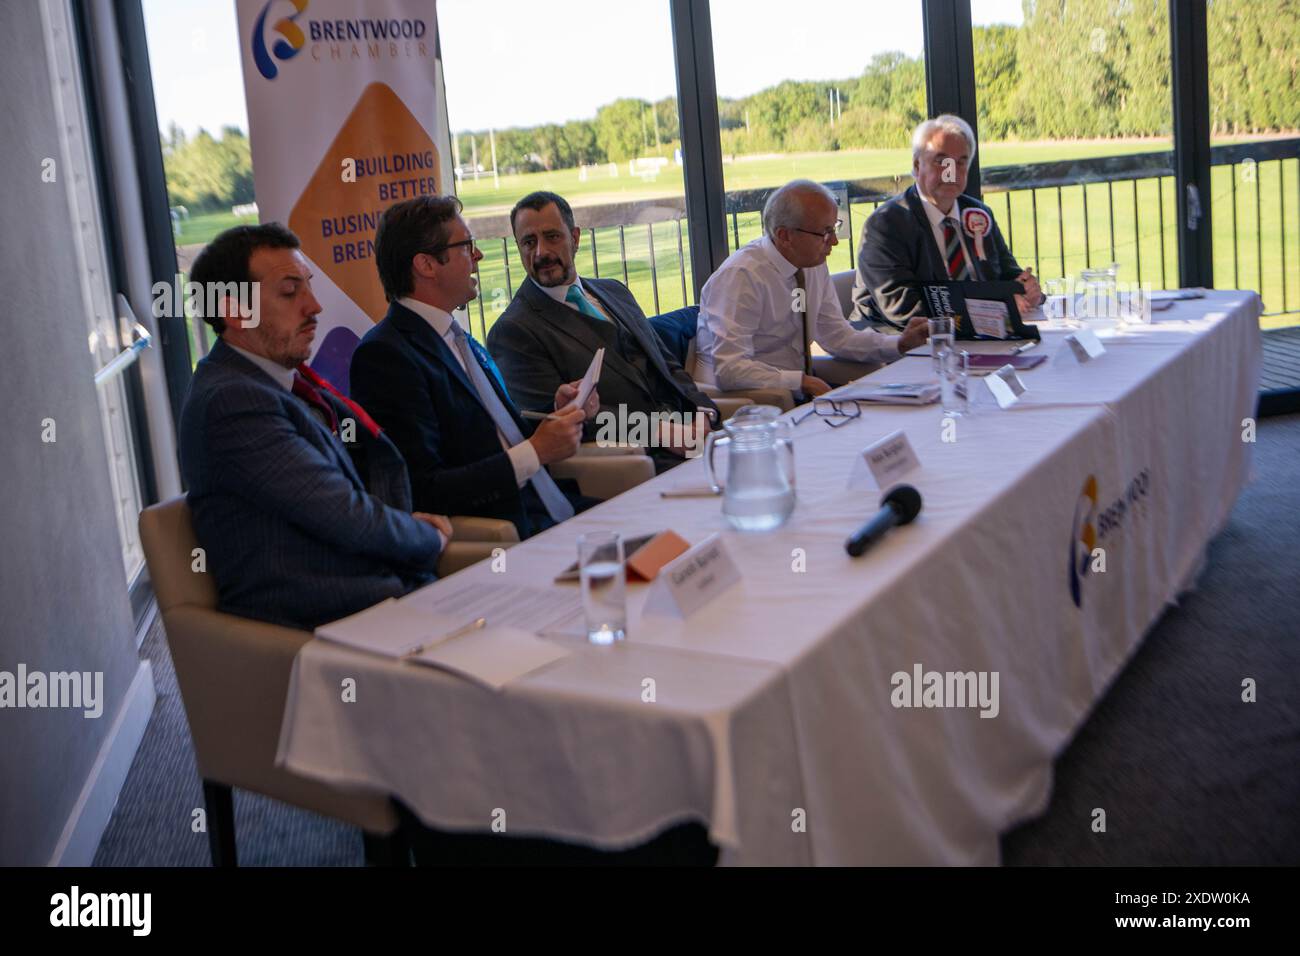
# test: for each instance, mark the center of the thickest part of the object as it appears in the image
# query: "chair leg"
(220, 801)
(387, 851)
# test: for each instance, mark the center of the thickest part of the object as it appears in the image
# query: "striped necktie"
(953, 253)
(557, 506)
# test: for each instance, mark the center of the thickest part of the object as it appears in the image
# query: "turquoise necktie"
(580, 302)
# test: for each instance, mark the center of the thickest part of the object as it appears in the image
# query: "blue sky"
(520, 62)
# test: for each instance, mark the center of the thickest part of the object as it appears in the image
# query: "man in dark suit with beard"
(556, 322)
(301, 503)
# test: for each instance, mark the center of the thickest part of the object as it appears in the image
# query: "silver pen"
(459, 632)
(1024, 348)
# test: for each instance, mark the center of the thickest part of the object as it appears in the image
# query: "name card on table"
(686, 584)
(1005, 386)
(884, 462)
(1085, 345)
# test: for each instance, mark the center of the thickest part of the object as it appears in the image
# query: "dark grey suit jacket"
(539, 344)
(898, 252)
(291, 533)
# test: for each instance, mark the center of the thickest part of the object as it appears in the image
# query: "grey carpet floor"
(1185, 771)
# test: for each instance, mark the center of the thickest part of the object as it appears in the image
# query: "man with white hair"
(766, 305)
(932, 232)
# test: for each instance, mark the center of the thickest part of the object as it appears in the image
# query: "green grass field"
(653, 269)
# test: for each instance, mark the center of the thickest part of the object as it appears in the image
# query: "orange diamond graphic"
(395, 159)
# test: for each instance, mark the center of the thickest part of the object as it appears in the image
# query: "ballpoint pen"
(1024, 348)
(459, 632)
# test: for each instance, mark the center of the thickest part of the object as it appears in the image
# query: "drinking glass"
(942, 332)
(604, 586)
(954, 383)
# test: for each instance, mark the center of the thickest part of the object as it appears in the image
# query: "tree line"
(1076, 69)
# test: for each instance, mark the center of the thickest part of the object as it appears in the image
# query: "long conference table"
(772, 717)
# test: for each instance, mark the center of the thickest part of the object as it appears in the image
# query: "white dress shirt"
(279, 374)
(559, 292)
(749, 334)
(936, 226)
(523, 457)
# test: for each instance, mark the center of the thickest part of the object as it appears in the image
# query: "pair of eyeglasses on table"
(834, 412)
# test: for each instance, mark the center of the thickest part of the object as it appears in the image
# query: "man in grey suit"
(932, 232)
(274, 459)
(551, 330)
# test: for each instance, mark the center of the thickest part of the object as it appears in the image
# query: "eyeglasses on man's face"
(826, 235)
(470, 242)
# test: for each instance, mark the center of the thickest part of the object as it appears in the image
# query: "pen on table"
(1024, 348)
(459, 632)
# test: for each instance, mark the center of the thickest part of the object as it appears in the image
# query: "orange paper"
(654, 554)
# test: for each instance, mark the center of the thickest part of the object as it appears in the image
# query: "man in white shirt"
(932, 232)
(436, 391)
(766, 305)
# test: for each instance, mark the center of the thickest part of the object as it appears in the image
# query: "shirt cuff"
(523, 457)
(792, 381)
(891, 348)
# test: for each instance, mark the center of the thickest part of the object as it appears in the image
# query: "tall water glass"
(604, 586)
(954, 383)
(942, 332)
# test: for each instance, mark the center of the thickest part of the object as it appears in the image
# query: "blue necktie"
(557, 506)
(580, 302)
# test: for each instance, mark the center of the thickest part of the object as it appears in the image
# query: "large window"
(1075, 124)
(578, 99)
(109, 330)
(832, 95)
(1255, 129)
(199, 95)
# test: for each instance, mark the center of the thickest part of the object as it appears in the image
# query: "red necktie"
(307, 385)
(954, 254)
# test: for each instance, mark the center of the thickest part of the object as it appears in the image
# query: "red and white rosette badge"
(976, 223)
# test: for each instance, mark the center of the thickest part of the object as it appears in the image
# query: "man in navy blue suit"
(437, 392)
(301, 503)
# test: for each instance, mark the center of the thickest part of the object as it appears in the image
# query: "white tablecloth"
(772, 721)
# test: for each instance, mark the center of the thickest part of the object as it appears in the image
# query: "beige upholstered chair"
(729, 402)
(603, 472)
(234, 676)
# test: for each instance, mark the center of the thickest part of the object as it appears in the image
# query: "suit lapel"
(227, 357)
(913, 199)
(639, 331)
(426, 340)
(573, 324)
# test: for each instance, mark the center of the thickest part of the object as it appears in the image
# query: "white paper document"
(889, 393)
(494, 656)
(588, 381)
(537, 610)
(390, 628)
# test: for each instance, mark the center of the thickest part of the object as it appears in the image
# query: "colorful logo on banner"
(291, 44)
(1083, 539)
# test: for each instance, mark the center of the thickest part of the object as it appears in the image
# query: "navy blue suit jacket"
(290, 531)
(406, 377)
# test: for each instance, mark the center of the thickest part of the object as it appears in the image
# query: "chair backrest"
(233, 675)
(177, 566)
(676, 330)
(843, 282)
